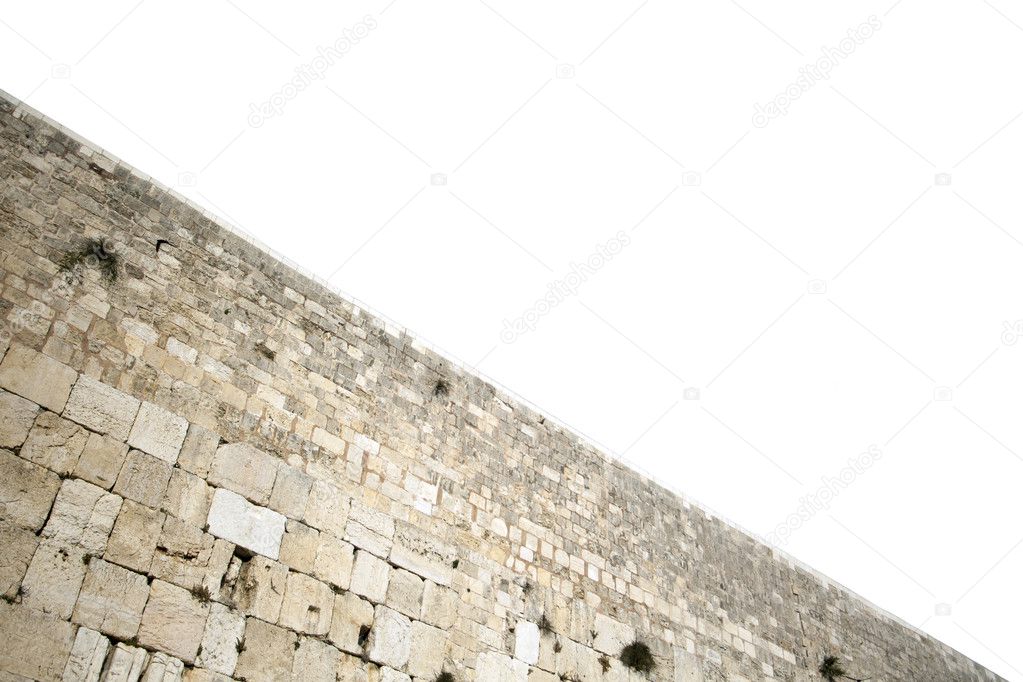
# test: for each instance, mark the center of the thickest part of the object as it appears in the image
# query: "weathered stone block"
(370, 577)
(101, 460)
(257, 529)
(440, 605)
(308, 605)
(158, 432)
(125, 664)
(17, 545)
(268, 654)
(429, 648)
(111, 600)
(334, 561)
(143, 478)
(173, 621)
(83, 515)
(422, 554)
(352, 669)
(390, 640)
(26, 491)
(327, 508)
(101, 408)
(188, 497)
(527, 642)
(245, 470)
(37, 377)
(315, 661)
(163, 668)
(612, 635)
(405, 593)
(88, 654)
(190, 558)
(135, 535)
(495, 667)
(53, 578)
(260, 588)
(35, 645)
(198, 450)
(16, 418)
(351, 621)
(392, 675)
(55, 443)
(299, 546)
(369, 529)
(291, 492)
(224, 629)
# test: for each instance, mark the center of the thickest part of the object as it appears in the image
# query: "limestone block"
(235, 519)
(198, 450)
(26, 491)
(53, 578)
(111, 600)
(327, 508)
(268, 652)
(83, 515)
(33, 644)
(422, 554)
(17, 545)
(369, 529)
(125, 664)
(173, 621)
(390, 640)
(440, 605)
(135, 536)
(405, 593)
(190, 558)
(55, 443)
(315, 661)
(163, 668)
(494, 667)
(37, 377)
(245, 470)
(308, 605)
(370, 577)
(352, 669)
(335, 560)
(158, 432)
(143, 478)
(538, 675)
(351, 622)
(224, 629)
(101, 408)
(299, 546)
(429, 648)
(101, 460)
(527, 642)
(260, 588)
(392, 675)
(612, 635)
(88, 654)
(16, 418)
(203, 675)
(291, 492)
(188, 497)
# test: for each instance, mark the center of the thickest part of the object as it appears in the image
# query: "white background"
(810, 279)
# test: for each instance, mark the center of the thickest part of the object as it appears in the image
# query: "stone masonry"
(212, 467)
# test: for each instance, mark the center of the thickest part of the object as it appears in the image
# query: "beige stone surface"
(268, 654)
(245, 470)
(27, 491)
(259, 590)
(224, 629)
(495, 667)
(335, 560)
(158, 432)
(405, 593)
(612, 635)
(440, 605)
(315, 661)
(88, 654)
(135, 536)
(33, 644)
(390, 640)
(143, 478)
(37, 377)
(392, 675)
(55, 443)
(257, 529)
(83, 515)
(428, 652)
(291, 492)
(422, 554)
(101, 460)
(351, 616)
(173, 621)
(125, 663)
(369, 529)
(327, 508)
(198, 450)
(111, 600)
(17, 545)
(370, 577)
(16, 417)
(299, 546)
(190, 558)
(163, 668)
(352, 669)
(53, 578)
(308, 605)
(101, 408)
(188, 497)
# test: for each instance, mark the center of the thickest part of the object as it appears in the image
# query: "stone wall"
(213, 467)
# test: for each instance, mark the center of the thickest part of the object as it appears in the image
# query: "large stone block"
(429, 648)
(245, 470)
(53, 578)
(494, 667)
(390, 640)
(392, 675)
(16, 417)
(143, 478)
(55, 443)
(370, 577)
(37, 377)
(351, 623)
(260, 587)
(235, 519)
(101, 460)
(101, 408)
(422, 554)
(163, 668)
(26, 491)
(327, 508)
(291, 492)
(198, 450)
(188, 497)
(88, 654)
(369, 529)
(83, 515)
(308, 605)
(299, 546)
(224, 629)
(17, 545)
(268, 653)
(440, 605)
(190, 558)
(315, 661)
(612, 635)
(111, 600)
(33, 645)
(334, 561)
(527, 642)
(125, 664)
(405, 593)
(158, 432)
(173, 621)
(135, 536)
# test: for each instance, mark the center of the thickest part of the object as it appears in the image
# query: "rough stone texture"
(390, 641)
(327, 508)
(269, 652)
(158, 432)
(291, 492)
(17, 545)
(440, 605)
(163, 668)
(260, 588)
(101, 408)
(83, 515)
(350, 616)
(16, 417)
(136, 533)
(125, 664)
(37, 377)
(299, 546)
(495, 667)
(190, 558)
(188, 497)
(335, 560)
(88, 654)
(308, 605)
(527, 642)
(245, 470)
(101, 460)
(315, 661)
(33, 644)
(55, 443)
(26, 491)
(224, 629)
(422, 554)
(173, 621)
(111, 600)
(198, 450)
(143, 478)
(370, 577)
(405, 593)
(257, 529)
(428, 652)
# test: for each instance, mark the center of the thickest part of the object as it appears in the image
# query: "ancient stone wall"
(213, 467)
